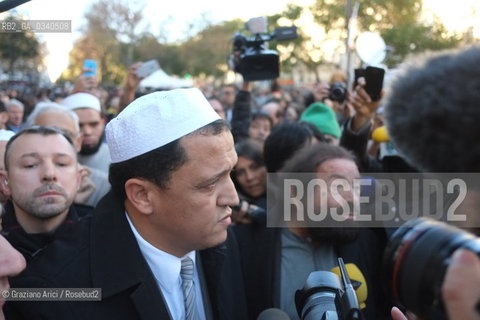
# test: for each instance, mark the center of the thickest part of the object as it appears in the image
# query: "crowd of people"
(160, 200)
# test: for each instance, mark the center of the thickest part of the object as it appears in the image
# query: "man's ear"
(81, 173)
(77, 142)
(4, 187)
(138, 193)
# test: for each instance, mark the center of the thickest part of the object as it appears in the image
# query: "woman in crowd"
(250, 176)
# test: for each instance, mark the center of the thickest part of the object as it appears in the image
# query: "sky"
(176, 15)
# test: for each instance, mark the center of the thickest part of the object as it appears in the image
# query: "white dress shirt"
(166, 269)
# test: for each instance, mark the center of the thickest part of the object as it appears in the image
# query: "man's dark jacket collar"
(30, 245)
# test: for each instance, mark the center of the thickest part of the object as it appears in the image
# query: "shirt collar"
(165, 266)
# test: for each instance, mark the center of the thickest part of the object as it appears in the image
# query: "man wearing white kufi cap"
(158, 245)
(94, 152)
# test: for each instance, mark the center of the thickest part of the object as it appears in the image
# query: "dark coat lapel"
(118, 265)
(212, 260)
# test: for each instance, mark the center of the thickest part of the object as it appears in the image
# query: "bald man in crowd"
(94, 181)
(15, 111)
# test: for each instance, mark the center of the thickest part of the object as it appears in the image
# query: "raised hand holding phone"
(366, 96)
(374, 82)
(147, 68)
(88, 80)
(89, 68)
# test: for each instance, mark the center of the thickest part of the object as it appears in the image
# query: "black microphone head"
(433, 112)
(273, 314)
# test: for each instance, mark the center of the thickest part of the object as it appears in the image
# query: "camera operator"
(442, 93)
(245, 123)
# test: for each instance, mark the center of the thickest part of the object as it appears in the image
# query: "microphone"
(273, 314)
(358, 282)
(326, 295)
(380, 134)
(442, 92)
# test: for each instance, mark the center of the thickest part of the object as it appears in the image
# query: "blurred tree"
(206, 53)
(18, 47)
(109, 36)
(407, 39)
(303, 50)
(112, 37)
(397, 21)
(168, 55)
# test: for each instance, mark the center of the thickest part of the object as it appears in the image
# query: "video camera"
(251, 58)
(327, 297)
(416, 260)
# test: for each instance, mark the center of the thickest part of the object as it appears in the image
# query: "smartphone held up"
(89, 68)
(147, 68)
(373, 80)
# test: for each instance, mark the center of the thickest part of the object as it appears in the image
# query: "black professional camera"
(416, 259)
(325, 298)
(251, 58)
(338, 92)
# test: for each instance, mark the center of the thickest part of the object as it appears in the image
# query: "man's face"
(63, 122)
(15, 115)
(193, 211)
(91, 128)
(43, 177)
(259, 129)
(329, 170)
(228, 95)
(274, 111)
(342, 169)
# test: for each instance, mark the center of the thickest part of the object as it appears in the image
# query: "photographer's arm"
(364, 107)
(241, 112)
(85, 84)
(356, 131)
(131, 84)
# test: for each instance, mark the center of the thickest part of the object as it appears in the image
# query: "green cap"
(323, 117)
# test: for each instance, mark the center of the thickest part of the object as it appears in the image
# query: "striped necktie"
(186, 273)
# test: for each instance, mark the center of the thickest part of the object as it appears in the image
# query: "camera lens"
(416, 259)
(338, 92)
(320, 296)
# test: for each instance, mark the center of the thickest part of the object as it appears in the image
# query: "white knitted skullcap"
(82, 100)
(155, 120)
(5, 135)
